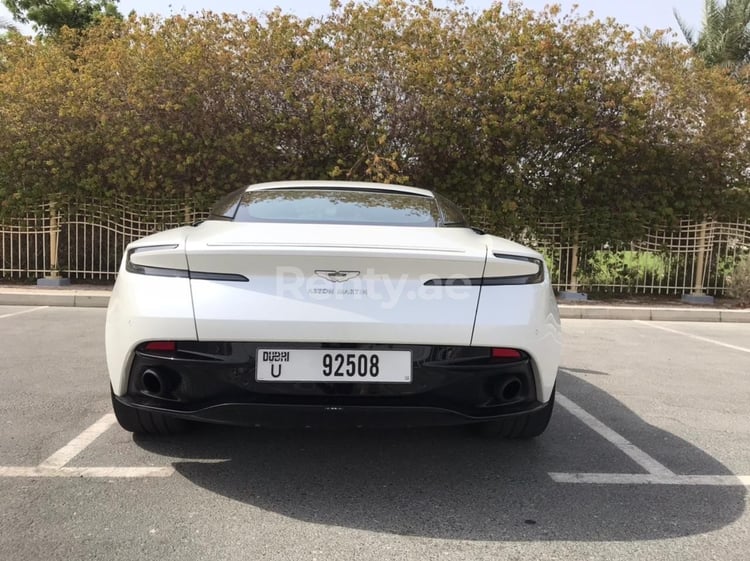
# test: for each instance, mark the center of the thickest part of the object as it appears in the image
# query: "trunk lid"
(335, 283)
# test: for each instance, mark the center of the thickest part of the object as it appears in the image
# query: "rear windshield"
(337, 207)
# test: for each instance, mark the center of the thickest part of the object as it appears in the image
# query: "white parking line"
(648, 478)
(54, 466)
(23, 312)
(626, 447)
(111, 472)
(691, 336)
(77, 445)
(658, 474)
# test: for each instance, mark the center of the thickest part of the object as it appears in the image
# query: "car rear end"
(272, 323)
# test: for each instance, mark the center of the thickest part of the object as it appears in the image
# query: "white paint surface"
(658, 474)
(650, 479)
(23, 312)
(79, 443)
(106, 472)
(696, 337)
(625, 446)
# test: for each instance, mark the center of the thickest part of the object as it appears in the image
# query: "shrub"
(738, 282)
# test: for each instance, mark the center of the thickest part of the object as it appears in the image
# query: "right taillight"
(532, 277)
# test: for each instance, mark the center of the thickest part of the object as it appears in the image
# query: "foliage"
(514, 113)
(739, 280)
(50, 16)
(626, 268)
(725, 35)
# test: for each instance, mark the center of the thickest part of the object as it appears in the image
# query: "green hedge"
(513, 113)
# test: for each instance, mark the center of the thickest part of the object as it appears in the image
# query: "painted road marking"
(23, 312)
(696, 337)
(79, 443)
(658, 474)
(111, 472)
(54, 466)
(648, 478)
(626, 447)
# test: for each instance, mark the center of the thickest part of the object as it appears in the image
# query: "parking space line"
(79, 443)
(691, 336)
(23, 312)
(649, 478)
(54, 466)
(112, 472)
(658, 474)
(652, 466)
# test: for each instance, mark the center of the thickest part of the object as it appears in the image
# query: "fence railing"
(86, 242)
(694, 257)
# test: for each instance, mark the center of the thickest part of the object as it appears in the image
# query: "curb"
(100, 298)
(654, 314)
(60, 297)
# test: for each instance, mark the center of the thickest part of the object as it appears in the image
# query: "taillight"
(138, 269)
(501, 352)
(161, 346)
(534, 278)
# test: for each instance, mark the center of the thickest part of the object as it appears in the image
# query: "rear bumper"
(323, 416)
(215, 382)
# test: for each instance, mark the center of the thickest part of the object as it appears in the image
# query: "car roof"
(353, 185)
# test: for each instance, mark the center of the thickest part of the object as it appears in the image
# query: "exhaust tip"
(509, 390)
(152, 381)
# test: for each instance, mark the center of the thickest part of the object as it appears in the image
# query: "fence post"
(574, 265)
(572, 292)
(697, 296)
(53, 242)
(54, 278)
(700, 260)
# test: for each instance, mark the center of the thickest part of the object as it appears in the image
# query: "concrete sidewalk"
(94, 297)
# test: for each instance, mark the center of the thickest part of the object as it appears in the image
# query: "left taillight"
(141, 269)
(161, 253)
(161, 346)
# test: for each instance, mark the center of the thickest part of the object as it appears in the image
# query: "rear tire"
(146, 422)
(529, 425)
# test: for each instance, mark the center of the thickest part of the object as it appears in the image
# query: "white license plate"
(333, 365)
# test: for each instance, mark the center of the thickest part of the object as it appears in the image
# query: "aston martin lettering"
(337, 292)
(337, 276)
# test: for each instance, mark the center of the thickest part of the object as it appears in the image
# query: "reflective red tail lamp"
(502, 352)
(161, 346)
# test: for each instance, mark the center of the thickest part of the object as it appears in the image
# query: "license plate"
(333, 365)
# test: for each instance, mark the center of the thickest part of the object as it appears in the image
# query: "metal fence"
(694, 257)
(86, 242)
(83, 242)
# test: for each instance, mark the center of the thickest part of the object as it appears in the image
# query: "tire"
(529, 425)
(146, 422)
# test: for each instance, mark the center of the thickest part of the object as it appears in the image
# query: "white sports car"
(310, 303)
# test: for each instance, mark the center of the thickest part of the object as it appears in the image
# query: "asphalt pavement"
(646, 457)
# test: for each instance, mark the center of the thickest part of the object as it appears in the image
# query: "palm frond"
(724, 37)
(687, 31)
(7, 25)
